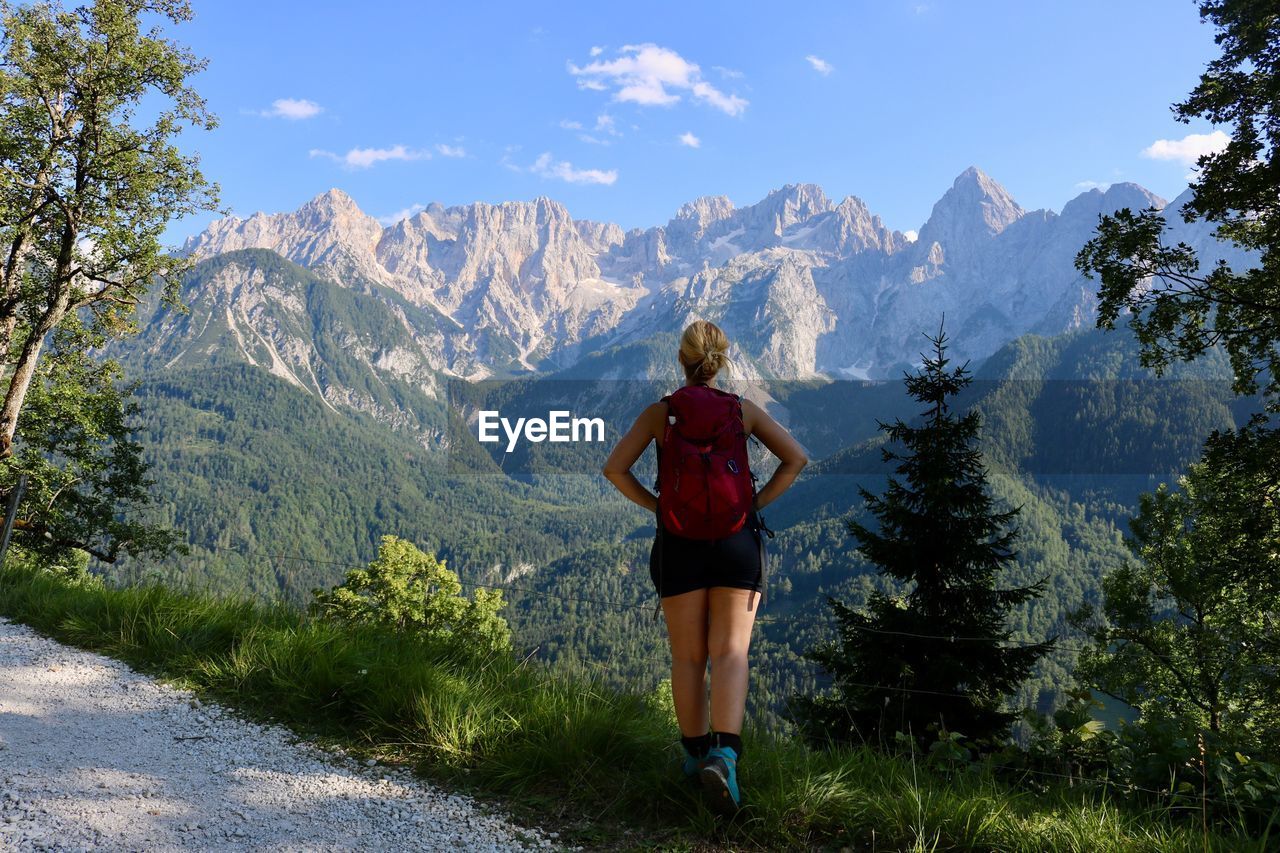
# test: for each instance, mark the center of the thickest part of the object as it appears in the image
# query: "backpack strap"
(762, 529)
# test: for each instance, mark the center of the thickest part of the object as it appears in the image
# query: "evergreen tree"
(937, 655)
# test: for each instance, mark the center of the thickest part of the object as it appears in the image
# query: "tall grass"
(588, 759)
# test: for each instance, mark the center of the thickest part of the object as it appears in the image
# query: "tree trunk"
(25, 369)
(8, 322)
(16, 262)
(15, 267)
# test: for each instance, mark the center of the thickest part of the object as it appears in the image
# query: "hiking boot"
(719, 777)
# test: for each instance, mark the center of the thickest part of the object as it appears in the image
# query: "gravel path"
(92, 754)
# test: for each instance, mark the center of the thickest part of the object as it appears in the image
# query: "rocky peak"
(795, 203)
(334, 210)
(329, 231)
(332, 200)
(599, 236)
(1088, 205)
(764, 223)
(706, 209)
(976, 207)
(858, 229)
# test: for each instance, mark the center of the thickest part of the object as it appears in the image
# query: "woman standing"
(707, 557)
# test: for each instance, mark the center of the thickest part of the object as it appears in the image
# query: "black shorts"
(689, 564)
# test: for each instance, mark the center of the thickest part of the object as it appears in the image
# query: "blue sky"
(625, 111)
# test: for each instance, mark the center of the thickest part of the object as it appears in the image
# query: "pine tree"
(938, 654)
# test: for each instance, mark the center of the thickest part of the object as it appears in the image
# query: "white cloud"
(292, 109)
(650, 75)
(450, 150)
(728, 73)
(689, 139)
(1188, 149)
(405, 213)
(604, 124)
(506, 162)
(363, 158)
(730, 104)
(596, 51)
(820, 65)
(911, 236)
(546, 167)
(1092, 185)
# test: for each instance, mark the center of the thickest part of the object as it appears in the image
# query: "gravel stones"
(95, 755)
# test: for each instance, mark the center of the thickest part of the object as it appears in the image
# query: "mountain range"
(805, 288)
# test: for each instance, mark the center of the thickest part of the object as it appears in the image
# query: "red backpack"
(705, 488)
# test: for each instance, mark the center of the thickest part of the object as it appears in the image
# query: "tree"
(1177, 308)
(84, 194)
(413, 591)
(938, 653)
(85, 472)
(1191, 630)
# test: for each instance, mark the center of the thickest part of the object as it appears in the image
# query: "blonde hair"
(703, 350)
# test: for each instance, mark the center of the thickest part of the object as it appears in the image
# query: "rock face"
(329, 233)
(520, 276)
(975, 209)
(368, 350)
(803, 286)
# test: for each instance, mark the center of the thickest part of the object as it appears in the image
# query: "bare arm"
(780, 444)
(617, 468)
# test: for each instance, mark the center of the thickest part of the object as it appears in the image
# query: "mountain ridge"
(805, 287)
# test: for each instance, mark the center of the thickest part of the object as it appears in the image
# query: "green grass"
(598, 764)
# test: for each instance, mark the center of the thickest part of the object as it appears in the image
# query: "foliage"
(598, 763)
(86, 190)
(1071, 741)
(413, 591)
(1191, 629)
(1188, 634)
(279, 494)
(69, 566)
(1179, 309)
(935, 655)
(86, 475)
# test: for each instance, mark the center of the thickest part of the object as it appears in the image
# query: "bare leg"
(733, 613)
(687, 629)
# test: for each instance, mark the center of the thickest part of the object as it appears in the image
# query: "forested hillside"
(279, 494)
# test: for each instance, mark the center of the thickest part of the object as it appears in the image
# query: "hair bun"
(704, 350)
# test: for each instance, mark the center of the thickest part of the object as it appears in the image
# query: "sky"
(623, 112)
